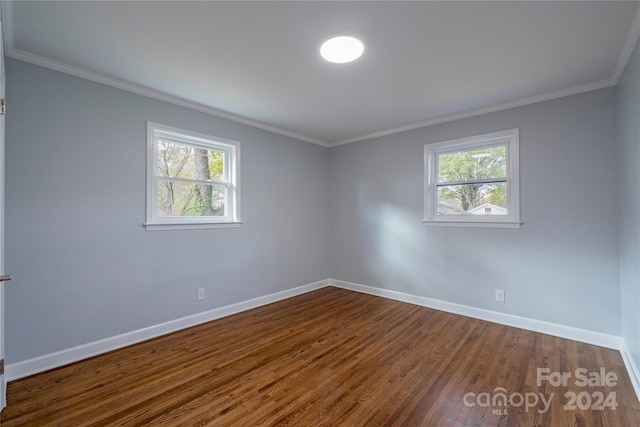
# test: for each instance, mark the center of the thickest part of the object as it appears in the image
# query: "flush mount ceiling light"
(342, 49)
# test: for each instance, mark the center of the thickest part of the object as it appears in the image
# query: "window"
(192, 180)
(473, 181)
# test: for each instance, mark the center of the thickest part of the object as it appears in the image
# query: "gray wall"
(561, 266)
(628, 118)
(85, 269)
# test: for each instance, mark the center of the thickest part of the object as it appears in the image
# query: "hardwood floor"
(333, 358)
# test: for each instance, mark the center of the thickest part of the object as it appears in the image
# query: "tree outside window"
(473, 181)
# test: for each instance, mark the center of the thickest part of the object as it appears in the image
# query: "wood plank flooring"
(331, 358)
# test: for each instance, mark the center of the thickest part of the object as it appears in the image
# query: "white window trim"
(155, 222)
(509, 138)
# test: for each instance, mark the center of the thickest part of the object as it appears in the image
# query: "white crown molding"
(627, 48)
(574, 90)
(171, 99)
(632, 38)
(623, 58)
(150, 93)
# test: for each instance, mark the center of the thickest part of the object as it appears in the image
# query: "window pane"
(185, 199)
(473, 165)
(473, 199)
(189, 162)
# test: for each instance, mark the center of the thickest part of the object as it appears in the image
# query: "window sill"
(191, 225)
(492, 224)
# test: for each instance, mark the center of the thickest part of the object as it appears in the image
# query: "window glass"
(192, 179)
(473, 181)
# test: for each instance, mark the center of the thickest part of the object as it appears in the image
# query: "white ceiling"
(258, 62)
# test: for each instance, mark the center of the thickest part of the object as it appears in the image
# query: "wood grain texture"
(327, 358)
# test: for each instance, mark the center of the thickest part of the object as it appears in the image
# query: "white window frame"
(231, 150)
(508, 138)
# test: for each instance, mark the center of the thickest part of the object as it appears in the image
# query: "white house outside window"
(473, 181)
(193, 180)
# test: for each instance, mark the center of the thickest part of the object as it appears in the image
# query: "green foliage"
(464, 166)
(177, 198)
(216, 164)
(498, 196)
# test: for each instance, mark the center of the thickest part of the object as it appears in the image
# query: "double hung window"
(192, 180)
(473, 181)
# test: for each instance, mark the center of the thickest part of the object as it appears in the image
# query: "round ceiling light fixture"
(342, 49)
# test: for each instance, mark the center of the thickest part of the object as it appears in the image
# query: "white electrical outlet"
(499, 295)
(200, 294)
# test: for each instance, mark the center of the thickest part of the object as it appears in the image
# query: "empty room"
(320, 213)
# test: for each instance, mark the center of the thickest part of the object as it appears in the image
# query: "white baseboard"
(54, 360)
(562, 331)
(569, 332)
(632, 368)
